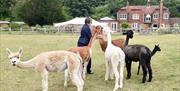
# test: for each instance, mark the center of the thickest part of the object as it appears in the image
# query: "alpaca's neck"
(26, 64)
(127, 41)
(153, 52)
(102, 43)
(109, 38)
(90, 44)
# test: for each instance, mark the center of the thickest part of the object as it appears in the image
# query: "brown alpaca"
(117, 42)
(85, 51)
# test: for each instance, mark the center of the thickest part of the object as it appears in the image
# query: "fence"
(53, 30)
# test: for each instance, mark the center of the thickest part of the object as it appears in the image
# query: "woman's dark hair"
(87, 20)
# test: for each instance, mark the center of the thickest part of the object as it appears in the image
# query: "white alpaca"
(54, 61)
(114, 55)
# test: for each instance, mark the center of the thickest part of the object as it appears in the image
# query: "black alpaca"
(142, 54)
(156, 48)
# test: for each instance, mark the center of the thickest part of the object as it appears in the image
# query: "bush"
(164, 31)
(14, 26)
(125, 25)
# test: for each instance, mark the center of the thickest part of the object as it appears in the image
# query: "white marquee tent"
(75, 24)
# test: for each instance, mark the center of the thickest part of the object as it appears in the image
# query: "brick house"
(144, 17)
(112, 23)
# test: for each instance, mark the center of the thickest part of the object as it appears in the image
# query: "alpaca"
(117, 42)
(53, 61)
(115, 56)
(142, 54)
(156, 48)
(85, 51)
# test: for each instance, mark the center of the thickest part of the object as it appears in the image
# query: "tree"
(42, 12)
(81, 8)
(114, 6)
(5, 8)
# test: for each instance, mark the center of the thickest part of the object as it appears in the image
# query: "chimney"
(161, 13)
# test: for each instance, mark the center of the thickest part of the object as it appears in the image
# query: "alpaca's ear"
(157, 45)
(20, 50)
(8, 51)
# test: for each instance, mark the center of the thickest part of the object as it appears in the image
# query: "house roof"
(146, 9)
(4, 22)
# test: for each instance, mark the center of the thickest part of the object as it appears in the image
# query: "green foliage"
(100, 11)
(5, 8)
(14, 26)
(42, 12)
(114, 6)
(125, 25)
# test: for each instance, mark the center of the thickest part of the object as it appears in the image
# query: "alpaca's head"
(157, 48)
(14, 57)
(104, 31)
(129, 33)
(97, 29)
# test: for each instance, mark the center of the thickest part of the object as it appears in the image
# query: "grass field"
(165, 64)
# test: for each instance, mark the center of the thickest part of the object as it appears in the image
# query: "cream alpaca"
(115, 56)
(53, 61)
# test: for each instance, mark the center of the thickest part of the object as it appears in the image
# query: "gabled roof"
(106, 18)
(145, 9)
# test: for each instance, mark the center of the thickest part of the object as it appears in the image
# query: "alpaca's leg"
(77, 81)
(144, 67)
(150, 72)
(44, 75)
(85, 69)
(80, 74)
(138, 68)
(116, 73)
(111, 72)
(107, 69)
(128, 67)
(121, 73)
(65, 77)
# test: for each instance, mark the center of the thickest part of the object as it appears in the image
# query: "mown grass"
(165, 64)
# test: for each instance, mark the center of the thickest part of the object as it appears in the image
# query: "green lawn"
(165, 64)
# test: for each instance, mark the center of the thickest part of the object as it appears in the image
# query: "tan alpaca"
(85, 51)
(53, 61)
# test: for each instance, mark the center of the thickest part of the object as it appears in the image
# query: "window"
(135, 16)
(135, 25)
(166, 16)
(148, 18)
(113, 26)
(155, 16)
(123, 16)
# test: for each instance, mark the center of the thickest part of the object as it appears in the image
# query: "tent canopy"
(77, 21)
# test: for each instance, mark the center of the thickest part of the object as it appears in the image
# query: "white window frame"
(113, 26)
(123, 16)
(155, 16)
(135, 16)
(165, 16)
(135, 25)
